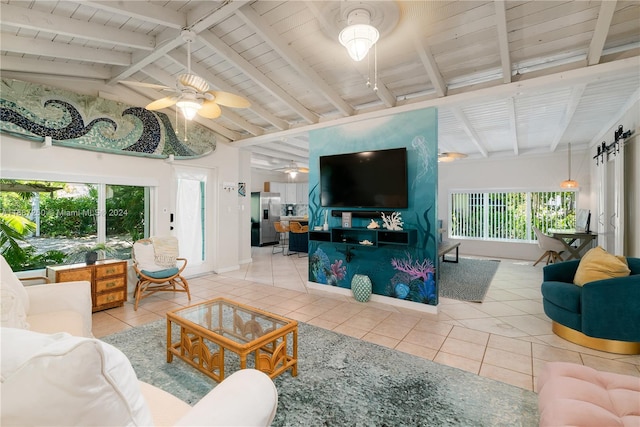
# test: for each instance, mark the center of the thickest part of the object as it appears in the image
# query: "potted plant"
(91, 253)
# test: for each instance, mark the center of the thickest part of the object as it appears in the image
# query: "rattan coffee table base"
(202, 344)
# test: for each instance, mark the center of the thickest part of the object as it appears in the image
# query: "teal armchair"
(604, 314)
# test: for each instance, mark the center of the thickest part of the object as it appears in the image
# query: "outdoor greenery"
(64, 217)
(511, 215)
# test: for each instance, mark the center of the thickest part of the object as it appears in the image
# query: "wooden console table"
(108, 280)
(569, 237)
(445, 247)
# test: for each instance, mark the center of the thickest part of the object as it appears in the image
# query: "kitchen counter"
(294, 218)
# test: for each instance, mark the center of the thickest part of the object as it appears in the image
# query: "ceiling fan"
(450, 156)
(293, 169)
(192, 92)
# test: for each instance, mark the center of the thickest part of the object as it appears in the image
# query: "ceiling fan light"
(359, 35)
(293, 174)
(189, 108)
(450, 156)
(446, 159)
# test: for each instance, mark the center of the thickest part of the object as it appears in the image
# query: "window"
(509, 216)
(44, 223)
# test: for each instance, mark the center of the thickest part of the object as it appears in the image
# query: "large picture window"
(509, 216)
(44, 223)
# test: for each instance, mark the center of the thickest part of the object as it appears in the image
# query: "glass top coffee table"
(211, 327)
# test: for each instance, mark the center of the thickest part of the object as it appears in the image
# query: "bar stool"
(299, 238)
(283, 237)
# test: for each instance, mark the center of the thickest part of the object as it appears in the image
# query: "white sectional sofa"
(53, 372)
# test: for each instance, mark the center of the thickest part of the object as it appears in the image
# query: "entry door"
(192, 222)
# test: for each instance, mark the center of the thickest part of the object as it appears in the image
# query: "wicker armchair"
(155, 263)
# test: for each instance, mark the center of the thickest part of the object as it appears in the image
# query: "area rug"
(343, 381)
(467, 280)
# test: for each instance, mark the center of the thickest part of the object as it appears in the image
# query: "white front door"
(192, 222)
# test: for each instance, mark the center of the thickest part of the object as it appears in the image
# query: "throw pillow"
(70, 380)
(145, 256)
(14, 299)
(166, 249)
(598, 264)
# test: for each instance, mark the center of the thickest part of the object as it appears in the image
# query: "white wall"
(244, 210)
(524, 173)
(22, 159)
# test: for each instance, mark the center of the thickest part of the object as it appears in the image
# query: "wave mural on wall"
(32, 112)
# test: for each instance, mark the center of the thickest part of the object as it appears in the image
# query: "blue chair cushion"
(161, 274)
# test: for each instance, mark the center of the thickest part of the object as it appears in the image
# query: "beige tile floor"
(507, 337)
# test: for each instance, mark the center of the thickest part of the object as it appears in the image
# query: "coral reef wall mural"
(32, 112)
(402, 270)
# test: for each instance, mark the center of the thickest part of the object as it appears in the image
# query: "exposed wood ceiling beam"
(468, 128)
(29, 46)
(429, 63)
(143, 11)
(572, 105)
(269, 152)
(209, 13)
(255, 21)
(378, 86)
(28, 65)
(503, 41)
(600, 33)
(635, 97)
(513, 125)
(46, 22)
(573, 76)
(238, 61)
(290, 150)
(171, 38)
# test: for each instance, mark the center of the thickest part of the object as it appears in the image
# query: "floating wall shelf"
(353, 236)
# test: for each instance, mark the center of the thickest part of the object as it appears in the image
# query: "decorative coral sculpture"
(393, 222)
(373, 224)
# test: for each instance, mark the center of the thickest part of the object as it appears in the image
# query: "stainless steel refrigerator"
(265, 210)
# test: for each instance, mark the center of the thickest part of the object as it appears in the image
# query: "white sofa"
(87, 382)
(57, 307)
(79, 380)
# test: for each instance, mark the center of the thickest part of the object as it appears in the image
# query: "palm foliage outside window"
(509, 216)
(40, 228)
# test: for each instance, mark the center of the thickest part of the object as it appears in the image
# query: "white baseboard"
(410, 305)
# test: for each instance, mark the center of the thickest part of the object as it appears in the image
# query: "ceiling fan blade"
(162, 103)
(210, 110)
(230, 100)
(142, 84)
(303, 170)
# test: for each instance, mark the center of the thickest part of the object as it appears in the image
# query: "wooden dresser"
(108, 280)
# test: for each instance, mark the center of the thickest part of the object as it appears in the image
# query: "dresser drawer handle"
(110, 284)
(110, 270)
(111, 298)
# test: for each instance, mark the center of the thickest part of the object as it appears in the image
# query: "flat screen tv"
(367, 179)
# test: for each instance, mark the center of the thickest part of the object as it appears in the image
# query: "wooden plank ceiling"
(510, 78)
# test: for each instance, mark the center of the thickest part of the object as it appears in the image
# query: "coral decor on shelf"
(373, 224)
(392, 222)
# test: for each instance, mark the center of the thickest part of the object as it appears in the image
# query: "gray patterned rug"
(467, 280)
(343, 381)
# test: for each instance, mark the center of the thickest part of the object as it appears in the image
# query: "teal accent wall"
(399, 271)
